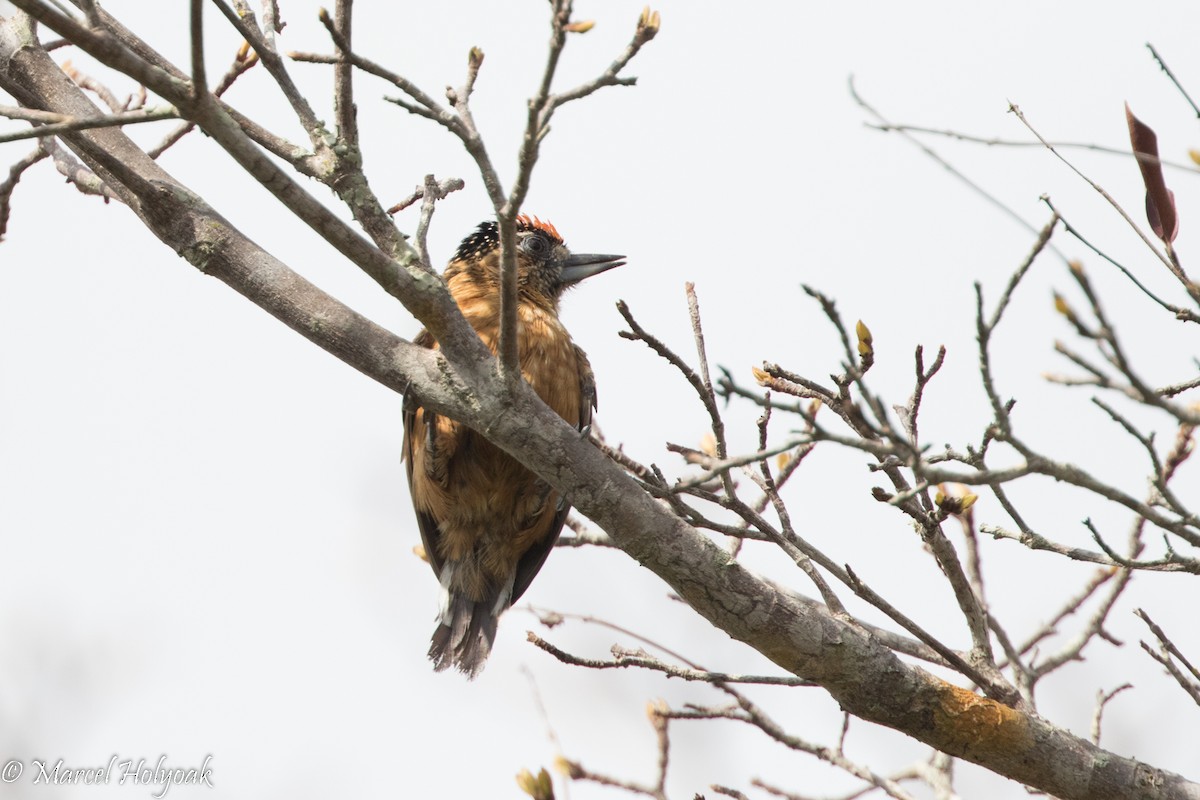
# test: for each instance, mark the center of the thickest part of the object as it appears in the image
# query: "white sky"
(204, 517)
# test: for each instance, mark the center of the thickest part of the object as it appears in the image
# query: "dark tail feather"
(464, 636)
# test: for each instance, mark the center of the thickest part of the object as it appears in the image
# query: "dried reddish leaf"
(1160, 201)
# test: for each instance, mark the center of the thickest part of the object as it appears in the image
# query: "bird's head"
(545, 267)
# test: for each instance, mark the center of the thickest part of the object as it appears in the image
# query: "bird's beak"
(577, 267)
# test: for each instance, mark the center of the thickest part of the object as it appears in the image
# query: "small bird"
(487, 523)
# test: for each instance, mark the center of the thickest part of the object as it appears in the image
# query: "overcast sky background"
(204, 517)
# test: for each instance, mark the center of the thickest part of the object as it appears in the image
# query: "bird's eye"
(535, 245)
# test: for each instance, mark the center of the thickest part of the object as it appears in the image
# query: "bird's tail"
(466, 628)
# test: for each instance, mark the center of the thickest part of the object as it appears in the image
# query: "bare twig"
(1171, 75)
(249, 30)
(1170, 263)
(744, 711)
(1178, 388)
(1167, 654)
(1103, 698)
(1094, 627)
(431, 192)
(910, 412)
(765, 481)
(699, 382)
(986, 327)
(955, 660)
(583, 535)
(752, 714)
(199, 73)
(1035, 464)
(9, 184)
(932, 154)
(577, 772)
(88, 83)
(996, 141)
(57, 123)
(244, 60)
(647, 29)
(82, 178)
(1179, 312)
(1172, 562)
(551, 734)
(1071, 606)
(343, 76)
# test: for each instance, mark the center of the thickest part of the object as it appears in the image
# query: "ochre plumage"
(488, 523)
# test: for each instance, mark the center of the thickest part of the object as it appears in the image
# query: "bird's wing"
(415, 431)
(535, 557)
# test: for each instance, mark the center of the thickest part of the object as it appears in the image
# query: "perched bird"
(488, 523)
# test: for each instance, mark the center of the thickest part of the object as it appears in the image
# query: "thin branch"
(1071, 606)
(1042, 241)
(1171, 75)
(956, 661)
(1072, 650)
(1178, 388)
(552, 618)
(243, 61)
(431, 193)
(932, 154)
(248, 28)
(1036, 464)
(583, 535)
(88, 83)
(623, 659)
(765, 481)
(9, 184)
(995, 141)
(702, 388)
(1147, 442)
(721, 468)
(752, 714)
(729, 792)
(91, 10)
(199, 73)
(1170, 264)
(1167, 644)
(79, 176)
(1172, 562)
(647, 29)
(577, 772)
(1178, 311)
(66, 124)
(506, 214)
(343, 77)
(1103, 698)
(910, 412)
